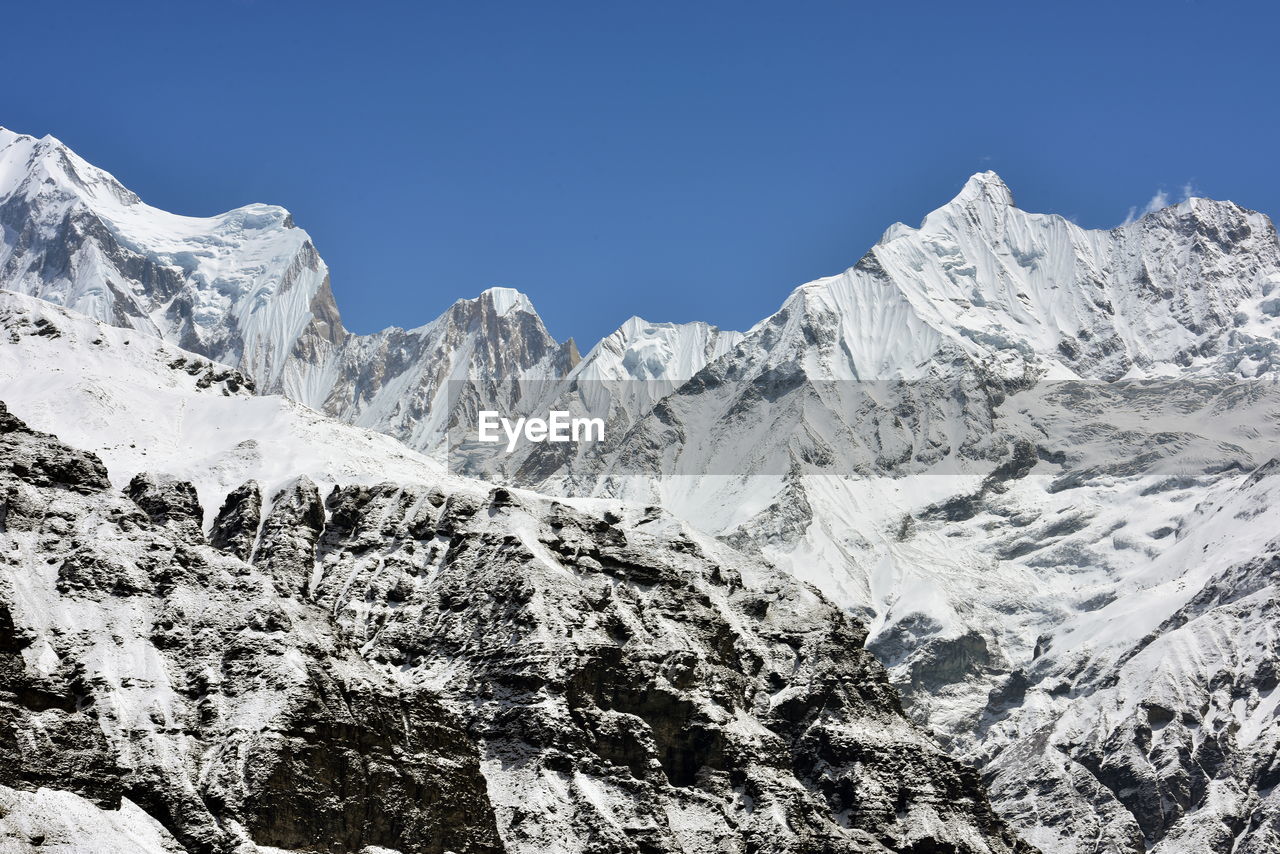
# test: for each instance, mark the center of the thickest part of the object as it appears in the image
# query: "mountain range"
(1024, 464)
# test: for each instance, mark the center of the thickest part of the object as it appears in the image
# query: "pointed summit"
(985, 186)
(984, 201)
(30, 162)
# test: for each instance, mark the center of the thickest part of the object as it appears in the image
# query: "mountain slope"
(940, 439)
(145, 404)
(420, 666)
(140, 663)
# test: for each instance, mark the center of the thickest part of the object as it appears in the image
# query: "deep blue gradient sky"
(676, 160)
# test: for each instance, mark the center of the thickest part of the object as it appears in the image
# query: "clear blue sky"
(676, 160)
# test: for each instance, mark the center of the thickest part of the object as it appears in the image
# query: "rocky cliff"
(412, 669)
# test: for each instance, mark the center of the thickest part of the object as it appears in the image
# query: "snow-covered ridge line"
(248, 288)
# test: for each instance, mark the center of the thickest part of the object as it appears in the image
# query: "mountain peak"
(28, 160)
(985, 186)
(506, 300)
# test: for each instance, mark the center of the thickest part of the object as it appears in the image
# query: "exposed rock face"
(236, 528)
(70, 751)
(620, 671)
(168, 502)
(139, 666)
(288, 545)
(42, 461)
(431, 672)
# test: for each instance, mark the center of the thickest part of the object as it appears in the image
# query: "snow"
(664, 352)
(247, 271)
(507, 300)
(120, 397)
(66, 823)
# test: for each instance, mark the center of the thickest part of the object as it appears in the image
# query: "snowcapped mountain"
(941, 440)
(411, 383)
(983, 280)
(665, 353)
(244, 288)
(641, 363)
(361, 652)
(1034, 458)
(998, 437)
(248, 289)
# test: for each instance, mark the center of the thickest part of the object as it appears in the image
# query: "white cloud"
(1158, 201)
